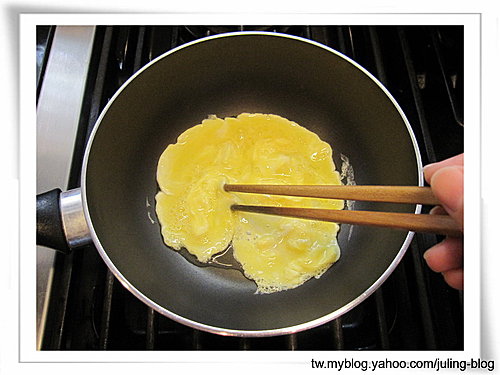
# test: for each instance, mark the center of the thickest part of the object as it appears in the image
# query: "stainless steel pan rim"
(221, 330)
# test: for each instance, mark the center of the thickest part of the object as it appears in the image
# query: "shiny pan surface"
(226, 75)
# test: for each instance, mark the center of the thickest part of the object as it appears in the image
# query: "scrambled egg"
(194, 210)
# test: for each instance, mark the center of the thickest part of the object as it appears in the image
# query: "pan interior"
(226, 76)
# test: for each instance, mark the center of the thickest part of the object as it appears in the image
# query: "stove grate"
(413, 310)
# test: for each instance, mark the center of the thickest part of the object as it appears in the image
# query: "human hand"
(446, 179)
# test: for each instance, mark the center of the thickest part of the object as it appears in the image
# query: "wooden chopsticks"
(372, 193)
(439, 224)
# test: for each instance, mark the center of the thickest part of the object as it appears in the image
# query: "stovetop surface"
(422, 66)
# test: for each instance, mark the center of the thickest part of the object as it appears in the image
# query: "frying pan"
(226, 75)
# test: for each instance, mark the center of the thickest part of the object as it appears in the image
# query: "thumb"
(448, 186)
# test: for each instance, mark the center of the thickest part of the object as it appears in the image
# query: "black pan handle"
(49, 224)
(60, 222)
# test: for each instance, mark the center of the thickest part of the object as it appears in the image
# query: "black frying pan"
(226, 75)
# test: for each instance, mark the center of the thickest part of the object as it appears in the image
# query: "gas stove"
(81, 306)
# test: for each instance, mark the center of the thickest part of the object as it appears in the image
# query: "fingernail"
(425, 255)
(437, 210)
(428, 169)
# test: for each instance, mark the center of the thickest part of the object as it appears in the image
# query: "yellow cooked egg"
(195, 213)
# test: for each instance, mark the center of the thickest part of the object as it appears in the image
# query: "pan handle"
(60, 222)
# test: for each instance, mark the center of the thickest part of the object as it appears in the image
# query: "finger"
(430, 169)
(455, 278)
(446, 255)
(447, 184)
(438, 210)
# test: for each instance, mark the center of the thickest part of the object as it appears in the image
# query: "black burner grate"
(421, 66)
